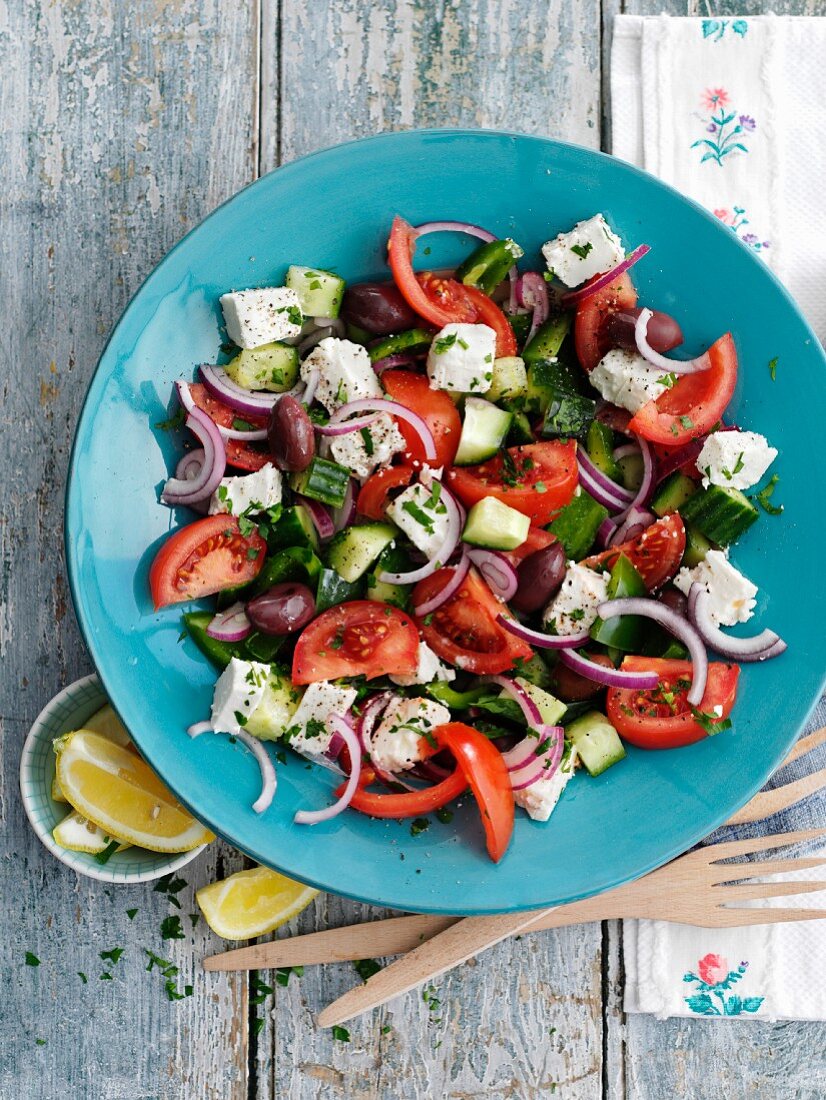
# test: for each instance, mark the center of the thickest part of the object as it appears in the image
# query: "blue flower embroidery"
(713, 981)
(716, 28)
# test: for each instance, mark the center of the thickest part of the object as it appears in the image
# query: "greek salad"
(468, 531)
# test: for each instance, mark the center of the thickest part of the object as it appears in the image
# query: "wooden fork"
(398, 935)
(694, 889)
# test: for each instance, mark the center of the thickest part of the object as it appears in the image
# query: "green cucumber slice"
(597, 742)
(483, 431)
(352, 551)
(319, 292)
(495, 526)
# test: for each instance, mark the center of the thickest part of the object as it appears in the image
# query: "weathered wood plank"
(122, 125)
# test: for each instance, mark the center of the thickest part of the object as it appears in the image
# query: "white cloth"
(729, 111)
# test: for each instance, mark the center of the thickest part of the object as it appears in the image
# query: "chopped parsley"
(282, 974)
(241, 719)
(106, 977)
(112, 956)
(367, 436)
(419, 826)
(711, 723)
(314, 728)
(577, 614)
(259, 991)
(241, 425)
(366, 968)
(177, 420)
(548, 276)
(581, 250)
(170, 885)
(773, 368)
(257, 1025)
(540, 487)
(444, 815)
(385, 1029)
(169, 973)
(432, 1001)
(40, 1042)
(668, 380)
(108, 852)
(246, 526)
(686, 422)
(441, 345)
(463, 344)
(421, 517)
(171, 928)
(341, 1033)
(764, 496)
(253, 552)
(32, 960)
(82, 977)
(737, 468)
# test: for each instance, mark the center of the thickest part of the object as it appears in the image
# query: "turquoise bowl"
(333, 209)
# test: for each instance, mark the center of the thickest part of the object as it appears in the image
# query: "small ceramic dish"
(67, 711)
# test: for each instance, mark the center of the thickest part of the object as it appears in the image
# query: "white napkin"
(729, 111)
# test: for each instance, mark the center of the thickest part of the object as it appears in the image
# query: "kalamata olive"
(282, 609)
(673, 598)
(539, 576)
(378, 308)
(290, 435)
(571, 687)
(663, 332)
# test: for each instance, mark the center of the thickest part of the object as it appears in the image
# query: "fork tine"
(740, 918)
(779, 798)
(732, 872)
(748, 891)
(806, 744)
(715, 852)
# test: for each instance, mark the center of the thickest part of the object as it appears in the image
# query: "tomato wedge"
(411, 804)
(203, 558)
(536, 480)
(435, 407)
(661, 718)
(589, 343)
(464, 630)
(655, 554)
(440, 300)
(486, 772)
(372, 499)
(246, 456)
(694, 403)
(360, 638)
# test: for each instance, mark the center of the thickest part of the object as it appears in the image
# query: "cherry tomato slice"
(203, 558)
(361, 638)
(372, 499)
(435, 407)
(246, 456)
(589, 341)
(655, 554)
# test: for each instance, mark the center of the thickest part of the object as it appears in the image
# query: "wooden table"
(122, 126)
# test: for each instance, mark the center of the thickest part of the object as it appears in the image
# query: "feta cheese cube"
(248, 494)
(428, 669)
(396, 744)
(732, 594)
(308, 732)
(256, 317)
(237, 693)
(366, 450)
(422, 515)
(574, 607)
(589, 249)
(542, 796)
(735, 460)
(345, 373)
(461, 358)
(624, 378)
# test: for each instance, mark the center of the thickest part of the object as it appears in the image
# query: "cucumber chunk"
(294, 528)
(352, 551)
(510, 379)
(596, 741)
(568, 415)
(672, 494)
(548, 339)
(392, 560)
(324, 481)
(577, 524)
(275, 710)
(489, 264)
(483, 431)
(271, 367)
(495, 525)
(696, 546)
(722, 515)
(294, 563)
(333, 590)
(599, 443)
(319, 292)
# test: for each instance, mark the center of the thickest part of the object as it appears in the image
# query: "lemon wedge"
(107, 724)
(116, 790)
(252, 903)
(57, 794)
(79, 835)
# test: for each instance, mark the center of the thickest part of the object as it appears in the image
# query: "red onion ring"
(759, 647)
(497, 572)
(646, 485)
(251, 402)
(460, 571)
(268, 778)
(635, 522)
(322, 520)
(189, 466)
(442, 554)
(315, 337)
(231, 625)
(198, 728)
(190, 491)
(605, 532)
(524, 752)
(574, 297)
(625, 451)
(463, 227)
(337, 723)
(188, 402)
(538, 770)
(336, 429)
(380, 405)
(599, 485)
(674, 366)
(543, 641)
(346, 514)
(533, 291)
(519, 695)
(674, 624)
(313, 378)
(608, 677)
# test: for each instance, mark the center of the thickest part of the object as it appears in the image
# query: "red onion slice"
(454, 227)
(534, 294)
(190, 491)
(608, 677)
(574, 297)
(313, 378)
(231, 625)
(759, 647)
(322, 520)
(528, 707)
(543, 641)
(605, 532)
(674, 366)
(346, 514)
(674, 624)
(537, 770)
(380, 405)
(600, 485)
(646, 488)
(251, 402)
(460, 571)
(365, 726)
(200, 727)
(335, 429)
(444, 552)
(524, 752)
(268, 779)
(625, 451)
(635, 522)
(190, 465)
(337, 723)
(497, 572)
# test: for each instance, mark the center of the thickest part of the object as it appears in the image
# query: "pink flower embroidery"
(725, 216)
(713, 98)
(712, 969)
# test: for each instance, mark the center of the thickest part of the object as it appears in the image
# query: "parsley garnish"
(257, 1025)
(246, 526)
(253, 552)
(241, 719)
(686, 422)
(40, 1042)
(540, 487)
(32, 960)
(581, 250)
(738, 466)
(463, 344)
(282, 974)
(441, 345)
(169, 885)
(112, 956)
(385, 1029)
(445, 816)
(420, 517)
(241, 425)
(668, 380)
(367, 436)
(177, 420)
(169, 972)
(108, 852)
(711, 723)
(171, 928)
(314, 728)
(432, 1001)
(259, 990)
(341, 1033)
(773, 368)
(577, 614)
(764, 496)
(419, 826)
(82, 977)
(366, 968)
